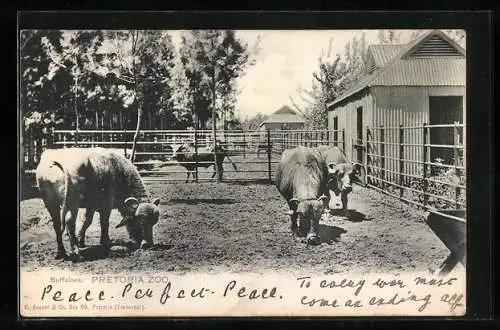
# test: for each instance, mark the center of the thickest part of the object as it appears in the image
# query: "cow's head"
(341, 176)
(309, 213)
(140, 219)
(179, 152)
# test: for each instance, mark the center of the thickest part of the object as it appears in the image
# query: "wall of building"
(346, 114)
(390, 107)
(407, 106)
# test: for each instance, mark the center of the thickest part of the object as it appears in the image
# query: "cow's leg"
(71, 227)
(344, 199)
(221, 170)
(104, 219)
(213, 174)
(293, 218)
(89, 215)
(187, 175)
(56, 222)
(313, 234)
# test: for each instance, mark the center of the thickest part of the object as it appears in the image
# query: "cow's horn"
(131, 202)
(322, 197)
(122, 223)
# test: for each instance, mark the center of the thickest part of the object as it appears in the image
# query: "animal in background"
(188, 157)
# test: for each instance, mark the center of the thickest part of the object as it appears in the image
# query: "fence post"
(269, 155)
(196, 153)
(244, 145)
(282, 141)
(382, 156)
(456, 160)
(124, 137)
(401, 162)
(328, 137)
(368, 159)
(424, 157)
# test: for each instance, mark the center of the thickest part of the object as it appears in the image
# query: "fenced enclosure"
(255, 153)
(423, 165)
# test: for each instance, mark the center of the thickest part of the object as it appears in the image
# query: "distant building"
(282, 119)
(410, 84)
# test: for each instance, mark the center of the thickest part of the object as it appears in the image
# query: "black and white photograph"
(242, 172)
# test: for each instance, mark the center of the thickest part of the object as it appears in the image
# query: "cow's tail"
(65, 206)
(234, 165)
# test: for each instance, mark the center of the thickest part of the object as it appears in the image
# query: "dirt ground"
(240, 227)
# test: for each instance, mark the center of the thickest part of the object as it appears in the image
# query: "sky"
(285, 63)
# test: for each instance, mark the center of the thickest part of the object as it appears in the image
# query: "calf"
(98, 180)
(341, 173)
(188, 158)
(302, 179)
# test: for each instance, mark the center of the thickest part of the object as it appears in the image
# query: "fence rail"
(423, 165)
(255, 153)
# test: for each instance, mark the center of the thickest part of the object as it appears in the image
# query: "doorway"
(444, 110)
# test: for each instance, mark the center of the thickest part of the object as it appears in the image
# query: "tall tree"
(213, 59)
(335, 75)
(252, 123)
(145, 61)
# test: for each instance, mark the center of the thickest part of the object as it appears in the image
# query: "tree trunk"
(139, 105)
(136, 135)
(214, 129)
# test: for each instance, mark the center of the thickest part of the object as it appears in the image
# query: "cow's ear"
(322, 198)
(123, 222)
(332, 168)
(357, 168)
(294, 202)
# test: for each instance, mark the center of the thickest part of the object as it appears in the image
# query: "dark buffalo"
(342, 173)
(302, 179)
(188, 158)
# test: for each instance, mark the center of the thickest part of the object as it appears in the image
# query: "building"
(405, 84)
(282, 119)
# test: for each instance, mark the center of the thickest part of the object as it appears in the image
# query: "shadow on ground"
(264, 182)
(194, 201)
(329, 234)
(354, 216)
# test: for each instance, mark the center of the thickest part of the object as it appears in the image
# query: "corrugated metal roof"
(437, 71)
(403, 71)
(383, 53)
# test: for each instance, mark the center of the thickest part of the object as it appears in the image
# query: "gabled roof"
(284, 115)
(433, 59)
(384, 53)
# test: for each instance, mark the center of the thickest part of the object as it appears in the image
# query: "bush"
(445, 188)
